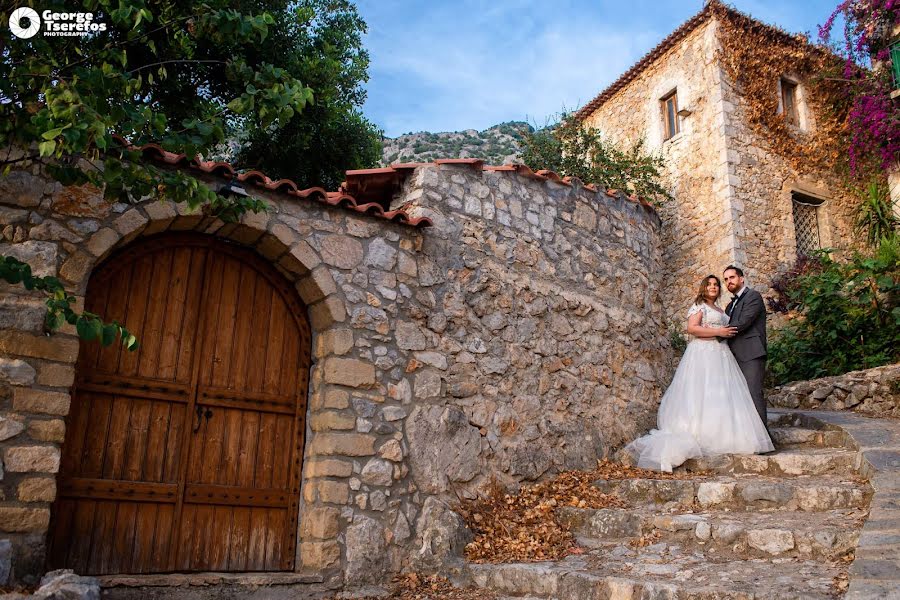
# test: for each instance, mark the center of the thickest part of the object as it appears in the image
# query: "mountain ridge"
(496, 145)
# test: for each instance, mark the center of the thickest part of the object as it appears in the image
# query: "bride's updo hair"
(701, 293)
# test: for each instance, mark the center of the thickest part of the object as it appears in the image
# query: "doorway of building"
(185, 455)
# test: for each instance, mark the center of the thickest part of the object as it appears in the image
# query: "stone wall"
(697, 227)
(732, 193)
(521, 335)
(761, 182)
(873, 392)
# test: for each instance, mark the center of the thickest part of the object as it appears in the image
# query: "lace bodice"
(711, 317)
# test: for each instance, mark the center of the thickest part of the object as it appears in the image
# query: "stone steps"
(788, 462)
(775, 527)
(743, 492)
(743, 534)
(658, 572)
(790, 437)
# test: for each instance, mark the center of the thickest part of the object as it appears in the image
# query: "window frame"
(800, 198)
(790, 89)
(675, 124)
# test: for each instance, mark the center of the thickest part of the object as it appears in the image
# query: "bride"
(707, 408)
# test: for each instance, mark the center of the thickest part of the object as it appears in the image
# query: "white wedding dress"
(706, 410)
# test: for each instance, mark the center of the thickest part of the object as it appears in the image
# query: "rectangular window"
(669, 106)
(806, 222)
(789, 101)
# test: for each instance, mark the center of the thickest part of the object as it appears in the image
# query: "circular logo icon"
(24, 14)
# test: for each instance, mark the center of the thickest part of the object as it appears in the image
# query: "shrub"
(849, 317)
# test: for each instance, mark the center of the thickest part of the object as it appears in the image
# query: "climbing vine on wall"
(755, 57)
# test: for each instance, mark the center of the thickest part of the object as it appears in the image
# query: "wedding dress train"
(706, 410)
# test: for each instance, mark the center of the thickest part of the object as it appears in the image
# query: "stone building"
(736, 201)
(314, 383)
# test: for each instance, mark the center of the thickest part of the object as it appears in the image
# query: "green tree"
(571, 149)
(323, 47)
(180, 73)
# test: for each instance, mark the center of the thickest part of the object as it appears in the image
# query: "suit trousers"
(754, 372)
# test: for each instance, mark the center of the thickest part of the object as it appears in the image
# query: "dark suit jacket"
(748, 314)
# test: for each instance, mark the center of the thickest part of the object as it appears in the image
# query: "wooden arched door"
(185, 455)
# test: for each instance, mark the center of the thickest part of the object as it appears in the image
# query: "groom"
(748, 315)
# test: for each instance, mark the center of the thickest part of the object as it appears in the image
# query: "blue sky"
(465, 64)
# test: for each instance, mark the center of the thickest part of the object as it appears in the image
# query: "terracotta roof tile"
(376, 186)
(365, 191)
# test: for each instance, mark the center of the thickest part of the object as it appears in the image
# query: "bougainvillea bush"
(874, 119)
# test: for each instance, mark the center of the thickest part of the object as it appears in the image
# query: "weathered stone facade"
(732, 192)
(874, 392)
(521, 335)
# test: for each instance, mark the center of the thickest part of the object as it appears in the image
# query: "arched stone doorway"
(186, 454)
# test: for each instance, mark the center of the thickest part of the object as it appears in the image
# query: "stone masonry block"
(316, 285)
(47, 430)
(37, 489)
(41, 401)
(56, 375)
(349, 372)
(55, 347)
(319, 555)
(333, 492)
(17, 519)
(16, 371)
(77, 266)
(328, 421)
(102, 241)
(31, 459)
(327, 467)
(320, 523)
(342, 444)
(131, 222)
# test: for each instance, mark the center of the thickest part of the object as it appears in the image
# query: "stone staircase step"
(789, 461)
(828, 534)
(743, 492)
(790, 437)
(659, 571)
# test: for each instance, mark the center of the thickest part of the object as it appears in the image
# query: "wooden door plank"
(219, 538)
(136, 447)
(194, 307)
(104, 528)
(274, 538)
(144, 533)
(155, 314)
(284, 451)
(114, 459)
(244, 317)
(157, 433)
(159, 558)
(116, 309)
(256, 551)
(97, 435)
(82, 536)
(277, 322)
(240, 539)
(173, 319)
(224, 347)
(136, 314)
(266, 454)
(259, 336)
(249, 449)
